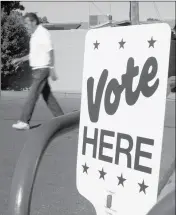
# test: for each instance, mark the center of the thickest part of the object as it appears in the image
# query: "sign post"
(122, 117)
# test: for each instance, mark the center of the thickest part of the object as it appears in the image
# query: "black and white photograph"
(87, 107)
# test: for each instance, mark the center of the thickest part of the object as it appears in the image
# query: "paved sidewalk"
(55, 187)
(12, 141)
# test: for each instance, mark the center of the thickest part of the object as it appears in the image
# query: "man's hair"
(32, 17)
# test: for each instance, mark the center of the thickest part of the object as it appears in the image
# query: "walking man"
(41, 59)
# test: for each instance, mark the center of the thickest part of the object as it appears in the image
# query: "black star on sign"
(85, 168)
(102, 173)
(151, 42)
(142, 187)
(122, 44)
(121, 180)
(96, 44)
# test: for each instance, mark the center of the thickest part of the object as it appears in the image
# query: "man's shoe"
(21, 126)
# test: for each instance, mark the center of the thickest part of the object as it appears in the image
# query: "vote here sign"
(122, 117)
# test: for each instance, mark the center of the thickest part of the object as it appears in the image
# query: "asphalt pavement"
(55, 186)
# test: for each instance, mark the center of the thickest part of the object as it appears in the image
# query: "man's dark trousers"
(39, 86)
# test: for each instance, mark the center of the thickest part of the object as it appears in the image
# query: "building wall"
(69, 56)
(97, 19)
(69, 47)
(69, 59)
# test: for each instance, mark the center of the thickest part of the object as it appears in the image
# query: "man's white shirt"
(40, 46)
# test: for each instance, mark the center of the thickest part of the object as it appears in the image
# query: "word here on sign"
(122, 117)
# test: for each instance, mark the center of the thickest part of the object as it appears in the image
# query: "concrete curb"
(23, 94)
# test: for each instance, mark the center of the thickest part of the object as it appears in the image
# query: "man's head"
(31, 21)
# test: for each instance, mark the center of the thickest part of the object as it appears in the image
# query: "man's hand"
(20, 60)
(53, 74)
(16, 61)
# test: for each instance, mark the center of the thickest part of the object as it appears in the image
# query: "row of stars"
(121, 178)
(122, 43)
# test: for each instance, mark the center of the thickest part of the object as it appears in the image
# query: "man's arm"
(49, 48)
(20, 60)
(51, 54)
(51, 65)
(25, 58)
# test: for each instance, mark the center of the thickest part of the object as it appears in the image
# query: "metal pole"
(134, 12)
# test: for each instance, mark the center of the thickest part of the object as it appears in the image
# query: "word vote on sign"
(122, 117)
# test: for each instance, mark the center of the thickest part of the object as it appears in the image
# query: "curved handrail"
(28, 162)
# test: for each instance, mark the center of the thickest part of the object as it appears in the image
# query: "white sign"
(122, 117)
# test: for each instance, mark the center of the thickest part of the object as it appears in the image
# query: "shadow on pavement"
(35, 126)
